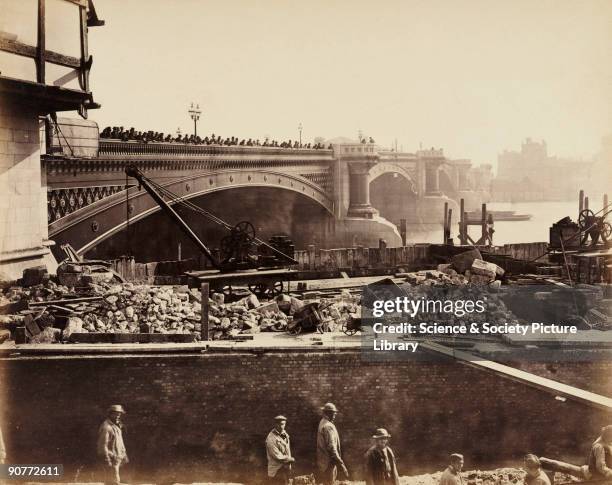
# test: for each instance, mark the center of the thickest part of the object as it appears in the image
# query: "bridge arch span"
(97, 222)
(383, 168)
(393, 192)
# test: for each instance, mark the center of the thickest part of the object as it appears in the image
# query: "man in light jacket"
(278, 451)
(600, 457)
(111, 448)
(328, 447)
(380, 467)
(2, 449)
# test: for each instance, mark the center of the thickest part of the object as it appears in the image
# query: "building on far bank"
(533, 175)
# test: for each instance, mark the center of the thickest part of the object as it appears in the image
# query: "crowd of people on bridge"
(119, 133)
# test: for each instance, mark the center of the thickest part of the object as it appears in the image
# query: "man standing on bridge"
(111, 448)
(328, 447)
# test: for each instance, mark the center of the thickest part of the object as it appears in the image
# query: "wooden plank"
(548, 385)
(205, 292)
(62, 60)
(66, 301)
(16, 47)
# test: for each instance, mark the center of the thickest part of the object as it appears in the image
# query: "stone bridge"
(351, 194)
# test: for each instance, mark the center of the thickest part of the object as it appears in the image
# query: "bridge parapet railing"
(118, 147)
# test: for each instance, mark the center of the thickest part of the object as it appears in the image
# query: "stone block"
(463, 261)
(480, 280)
(35, 276)
(481, 267)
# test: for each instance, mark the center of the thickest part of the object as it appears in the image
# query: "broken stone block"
(495, 285)
(289, 304)
(73, 325)
(480, 280)
(35, 276)
(49, 335)
(463, 261)
(480, 267)
(97, 278)
(270, 307)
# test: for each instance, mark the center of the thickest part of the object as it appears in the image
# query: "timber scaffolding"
(316, 262)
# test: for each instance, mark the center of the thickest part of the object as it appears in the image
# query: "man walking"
(328, 447)
(452, 475)
(600, 457)
(380, 467)
(278, 451)
(534, 473)
(2, 449)
(111, 448)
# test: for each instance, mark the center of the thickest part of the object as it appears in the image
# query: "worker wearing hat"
(111, 448)
(534, 473)
(599, 461)
(380, 466)
(328, 447)
(278, 451)
(452, 474)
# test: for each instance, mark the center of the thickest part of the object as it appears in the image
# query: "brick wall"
(197, 417)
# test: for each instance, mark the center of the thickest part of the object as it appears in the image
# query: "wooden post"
(41, 44)
(580, 201)
(483, 224)
(462, 221)
(490, 228)
(204, 331)
(445, 223)
(450, 217)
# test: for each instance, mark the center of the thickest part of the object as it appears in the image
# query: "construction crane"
(239, 250)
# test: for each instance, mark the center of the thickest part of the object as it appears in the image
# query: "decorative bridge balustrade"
(61, 202)
(118, 147)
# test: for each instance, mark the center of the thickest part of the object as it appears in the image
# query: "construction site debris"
(463, 261)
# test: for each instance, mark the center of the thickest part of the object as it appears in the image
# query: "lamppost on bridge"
(300, 130)
(195, 113)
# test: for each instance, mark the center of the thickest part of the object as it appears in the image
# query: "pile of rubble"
(500, 476)
(465, 268)
(44, 311)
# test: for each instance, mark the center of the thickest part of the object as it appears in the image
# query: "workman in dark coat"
(379, 461)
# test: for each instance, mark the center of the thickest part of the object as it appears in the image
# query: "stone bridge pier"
(357, 221)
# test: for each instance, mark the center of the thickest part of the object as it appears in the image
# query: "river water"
(544, 214)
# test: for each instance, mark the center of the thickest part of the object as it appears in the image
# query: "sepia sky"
(470, 76)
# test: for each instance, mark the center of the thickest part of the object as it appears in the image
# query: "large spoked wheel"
(276, 288)
(245, 228)
(584, 217)
(606, 231)
(258, 289)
